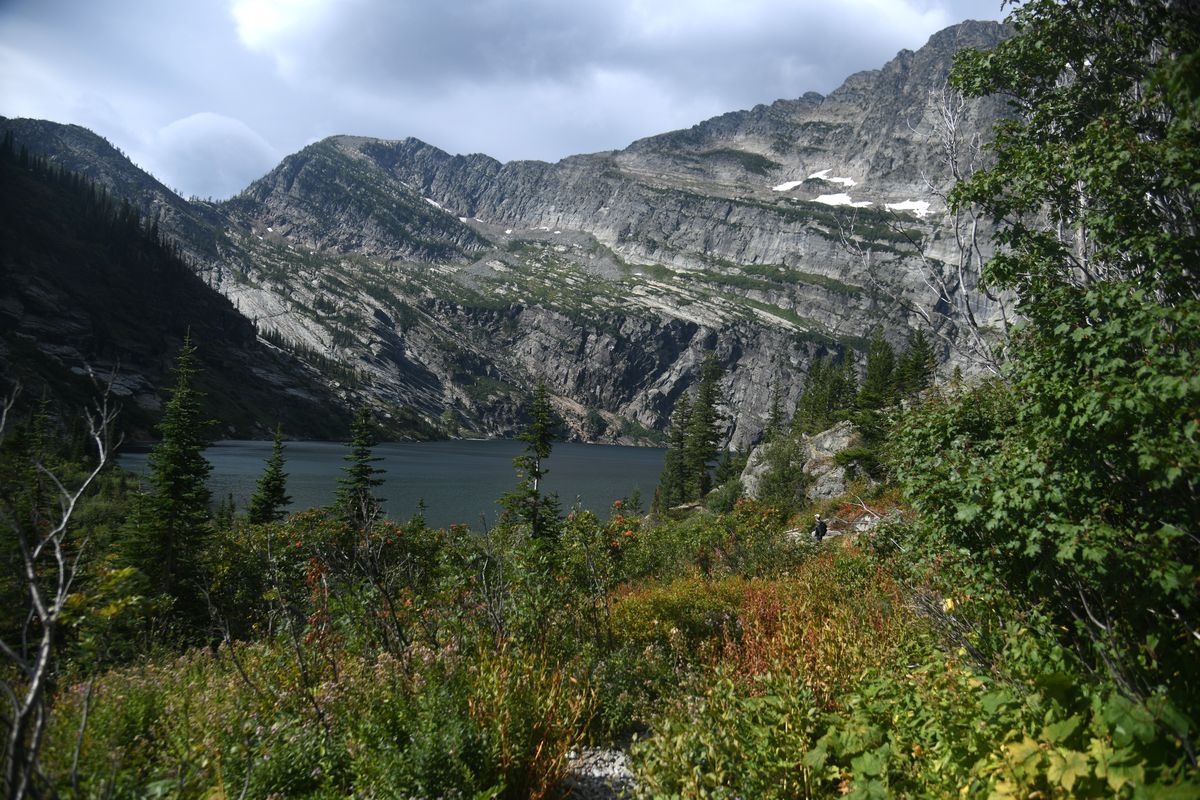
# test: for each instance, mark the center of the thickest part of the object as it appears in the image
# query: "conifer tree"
(356, 500)
(916, 366)
(878, 387)
(810, 408)
(844, 391)
(226, 513)
(170, 525)
(704, 430)
(670, 491)
(829, 393)
(774, 424)
(527, 503)
(730, 466)
(270, 500)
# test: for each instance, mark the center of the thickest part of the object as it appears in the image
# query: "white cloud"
(278, 27)
(207, 154)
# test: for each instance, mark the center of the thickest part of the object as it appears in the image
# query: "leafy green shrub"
(288, 719)
(722, 499)
(734, 741)
(683, 616)
(420, 739)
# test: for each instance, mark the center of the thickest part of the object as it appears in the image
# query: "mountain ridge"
(453, 283)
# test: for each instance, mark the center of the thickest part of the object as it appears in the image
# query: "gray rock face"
(450, 284)
(828, 477)
(817, 458)
(754, 471)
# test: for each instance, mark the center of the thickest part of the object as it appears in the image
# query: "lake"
(459, 480)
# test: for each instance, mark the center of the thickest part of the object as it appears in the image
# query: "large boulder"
(820, 452)
(818, 456)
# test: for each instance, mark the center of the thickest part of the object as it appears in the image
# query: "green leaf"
(1024, 752)
(1120, 774)
(1067, 766)
(1061, 731)
(1128, 720)
(967, 512)
(869, 764)
(816, 757)
(994, 701)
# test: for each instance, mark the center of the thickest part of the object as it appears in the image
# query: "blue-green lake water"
(458, 480)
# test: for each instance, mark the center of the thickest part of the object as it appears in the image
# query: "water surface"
(458, 480)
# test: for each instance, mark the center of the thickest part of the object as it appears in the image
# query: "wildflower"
(616, 503)
(628, 532)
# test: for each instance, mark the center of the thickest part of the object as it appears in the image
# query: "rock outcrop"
(817, 459)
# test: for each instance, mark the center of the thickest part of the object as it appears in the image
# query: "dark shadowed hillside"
(87, 286)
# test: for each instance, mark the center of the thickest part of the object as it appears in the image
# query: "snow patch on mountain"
(918, 207)
(842, 199)
(823, 175)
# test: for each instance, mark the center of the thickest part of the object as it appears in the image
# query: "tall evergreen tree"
(170, 525)
(528, 503)
(704, 430)
(810, 408)
(916, 366)
(878, 387)
(829, 394)
(670, 491)
(356, 500)
(270, 500)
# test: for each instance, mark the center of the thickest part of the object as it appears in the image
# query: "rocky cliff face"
(450, 284)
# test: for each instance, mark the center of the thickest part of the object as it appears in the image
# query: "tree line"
(832, 393)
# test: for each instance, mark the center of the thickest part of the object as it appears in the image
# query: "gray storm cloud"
(209, 95)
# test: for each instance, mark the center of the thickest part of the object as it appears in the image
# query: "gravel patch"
(599, 773)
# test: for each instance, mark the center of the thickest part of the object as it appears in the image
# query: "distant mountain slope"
(85, 286)
(325, 196)
(873, 128)
(448, 285)
(195, 225)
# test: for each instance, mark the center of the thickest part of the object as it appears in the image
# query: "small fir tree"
(878, 387)
(226, 513)
(704, 430)
(270, 500)
(527, 503)
(170, 525)
(356, 500)
(670, 491)
(915, 367)
(829, 394)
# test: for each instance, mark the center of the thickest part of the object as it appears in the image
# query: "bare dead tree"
(493, 584)
(954, 308)
(50, 552)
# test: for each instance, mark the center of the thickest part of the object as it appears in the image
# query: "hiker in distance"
(819, 529)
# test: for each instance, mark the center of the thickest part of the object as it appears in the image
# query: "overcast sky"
(210, 94)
